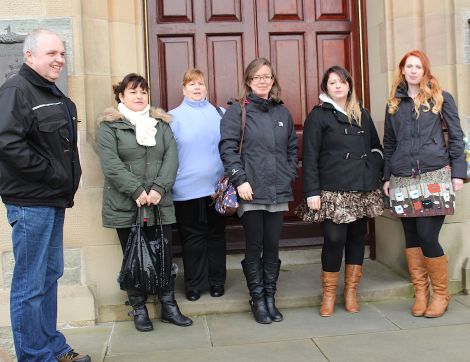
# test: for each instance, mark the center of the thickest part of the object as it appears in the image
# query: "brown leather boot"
(437, 270)
(329, 282)
(419, 278)
(352, 277)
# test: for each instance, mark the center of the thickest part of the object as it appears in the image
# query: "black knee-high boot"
(139, 311)
(254, 280)
(170, 311)
(271, 275)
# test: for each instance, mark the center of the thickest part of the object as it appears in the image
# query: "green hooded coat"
(130, 168)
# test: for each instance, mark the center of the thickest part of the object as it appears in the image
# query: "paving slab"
(399, 313)
(125, 339)
(463, 299)
(298, 351)
(446, 343)
(240, 328)
(90, 340)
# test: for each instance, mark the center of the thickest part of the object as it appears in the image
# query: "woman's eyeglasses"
(265, 78)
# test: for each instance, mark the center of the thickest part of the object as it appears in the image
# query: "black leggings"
(349, 237)
(262, 234)
(423, 232)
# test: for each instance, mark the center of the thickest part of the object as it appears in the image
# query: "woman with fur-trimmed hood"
(139, 160)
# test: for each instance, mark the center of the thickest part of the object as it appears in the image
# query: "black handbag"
(147, 264)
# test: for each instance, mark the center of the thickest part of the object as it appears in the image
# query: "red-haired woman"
(422, 174)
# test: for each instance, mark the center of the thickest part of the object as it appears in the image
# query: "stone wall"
(104, 41)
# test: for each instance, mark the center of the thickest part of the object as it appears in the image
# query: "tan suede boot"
(352, 277)
(437, 270)
(329, 282)
(419, 278)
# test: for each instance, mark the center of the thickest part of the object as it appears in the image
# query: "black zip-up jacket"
(337, 154)
(416, 145)
(39, 162)
(269, 153)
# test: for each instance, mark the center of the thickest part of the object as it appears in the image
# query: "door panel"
(223, 76)
(174, 11)
(302, 38)
(286, 10)
(223, 10)
(333, 49)
(332, 9)
(179, 53)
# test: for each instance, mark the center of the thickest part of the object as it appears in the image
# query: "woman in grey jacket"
(422, 174)
(263, 174)
(139, 161)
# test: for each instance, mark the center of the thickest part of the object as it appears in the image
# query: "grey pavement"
(384, 330)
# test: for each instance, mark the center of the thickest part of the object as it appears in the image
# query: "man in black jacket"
(39, 175)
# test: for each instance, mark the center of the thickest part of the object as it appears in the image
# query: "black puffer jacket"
(337, 155)
(269, 153)
(39, 163)
(416, 145)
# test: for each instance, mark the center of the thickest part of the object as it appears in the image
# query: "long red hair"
(429, 88)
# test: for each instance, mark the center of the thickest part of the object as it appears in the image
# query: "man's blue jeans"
(39, 262)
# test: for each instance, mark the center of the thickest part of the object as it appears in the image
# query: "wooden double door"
(302, 38)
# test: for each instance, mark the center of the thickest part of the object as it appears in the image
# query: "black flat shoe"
(193, 295)
(217, 291)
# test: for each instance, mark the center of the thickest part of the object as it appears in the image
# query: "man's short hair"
(31, 40)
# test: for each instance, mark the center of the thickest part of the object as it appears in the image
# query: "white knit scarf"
(145, 130)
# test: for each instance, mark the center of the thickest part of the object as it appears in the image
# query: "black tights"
(262, 234)
(423, 232)
(349, 237)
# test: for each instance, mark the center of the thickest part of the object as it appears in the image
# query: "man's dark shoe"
(72, 356)
(193, 295)
(217, 291)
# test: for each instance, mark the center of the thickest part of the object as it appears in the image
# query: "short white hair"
(31, 40)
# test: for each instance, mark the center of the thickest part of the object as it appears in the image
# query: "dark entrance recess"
(302, 38)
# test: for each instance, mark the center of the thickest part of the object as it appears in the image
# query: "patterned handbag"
(225, 195)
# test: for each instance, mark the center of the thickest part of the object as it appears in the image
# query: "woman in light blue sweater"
(196, 127)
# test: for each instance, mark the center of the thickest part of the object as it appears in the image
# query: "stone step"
(299, 285)
(288, 257)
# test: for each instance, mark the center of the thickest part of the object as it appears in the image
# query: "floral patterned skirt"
(428, 194)
(343, 206)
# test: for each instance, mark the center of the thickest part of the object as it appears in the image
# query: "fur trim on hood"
(111, 114)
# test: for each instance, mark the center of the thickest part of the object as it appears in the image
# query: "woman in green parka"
(139, 160)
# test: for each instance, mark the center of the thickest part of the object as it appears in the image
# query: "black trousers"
(123, 235)
(423, 232)
(349, 237)
(202, 232)
(262, 233)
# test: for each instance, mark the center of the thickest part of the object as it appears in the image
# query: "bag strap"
(219, 111)
(242, 132)
(159, 217)
(445, 129)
